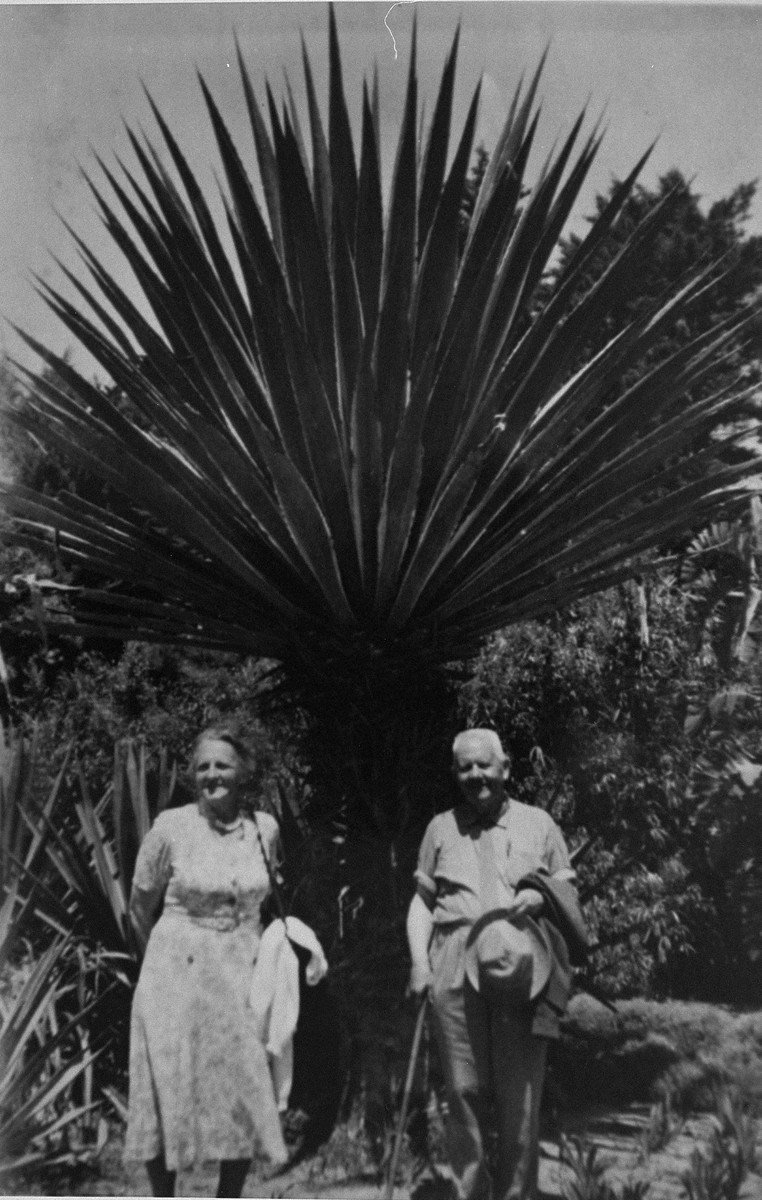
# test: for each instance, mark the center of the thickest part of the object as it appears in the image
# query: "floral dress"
(200, 1087)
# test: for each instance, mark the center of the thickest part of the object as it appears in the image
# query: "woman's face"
(218, 773)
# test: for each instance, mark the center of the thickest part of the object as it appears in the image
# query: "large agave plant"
(362, 444)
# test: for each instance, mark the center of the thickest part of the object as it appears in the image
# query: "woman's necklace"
(220, 825)
(227, 826)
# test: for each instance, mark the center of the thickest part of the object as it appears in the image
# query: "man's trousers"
(490, 1058)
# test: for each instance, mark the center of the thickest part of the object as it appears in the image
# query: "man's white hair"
(488, 736)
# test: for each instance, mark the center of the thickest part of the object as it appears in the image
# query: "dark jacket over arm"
(565, 928)
(562, 908)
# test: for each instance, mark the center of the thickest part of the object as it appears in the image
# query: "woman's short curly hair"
(226, 733)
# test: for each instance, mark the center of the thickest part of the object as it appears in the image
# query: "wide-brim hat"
(509, 954)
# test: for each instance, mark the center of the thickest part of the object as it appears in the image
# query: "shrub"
(647, 1050)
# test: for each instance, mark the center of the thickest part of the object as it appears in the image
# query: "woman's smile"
(218, 776)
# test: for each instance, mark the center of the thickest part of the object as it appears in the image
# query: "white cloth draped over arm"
(274, 995)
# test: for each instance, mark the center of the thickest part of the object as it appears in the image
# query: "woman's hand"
(526, 903)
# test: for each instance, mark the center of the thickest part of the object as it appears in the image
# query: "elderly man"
(491, 928)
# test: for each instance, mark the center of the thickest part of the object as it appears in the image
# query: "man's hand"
(420, 979)
(420, 926)
(526, 903)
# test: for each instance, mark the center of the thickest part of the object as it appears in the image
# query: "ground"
(618, 1138)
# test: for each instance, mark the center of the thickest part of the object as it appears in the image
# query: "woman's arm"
(153, 869)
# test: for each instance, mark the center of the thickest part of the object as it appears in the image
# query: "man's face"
(480, 773)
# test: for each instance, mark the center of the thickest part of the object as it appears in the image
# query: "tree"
(370, 453)
(691, 235)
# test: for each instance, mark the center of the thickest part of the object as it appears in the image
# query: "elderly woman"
(200, 1086)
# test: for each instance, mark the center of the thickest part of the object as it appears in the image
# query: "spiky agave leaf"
(38, 1069)
(354, 435)
(17, 764)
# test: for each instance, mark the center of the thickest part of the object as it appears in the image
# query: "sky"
(70, 76)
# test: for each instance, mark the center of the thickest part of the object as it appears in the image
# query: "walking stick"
(400, 1132)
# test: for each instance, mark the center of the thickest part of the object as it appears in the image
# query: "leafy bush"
(164, 697)
(686, 1053)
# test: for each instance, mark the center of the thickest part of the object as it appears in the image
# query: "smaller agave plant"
(46, 1067)
(67, 873)
(83, 866)
(46, 1062)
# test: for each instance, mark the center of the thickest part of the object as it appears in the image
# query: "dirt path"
(617, 1136)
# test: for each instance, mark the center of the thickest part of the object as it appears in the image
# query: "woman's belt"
(221, 920)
